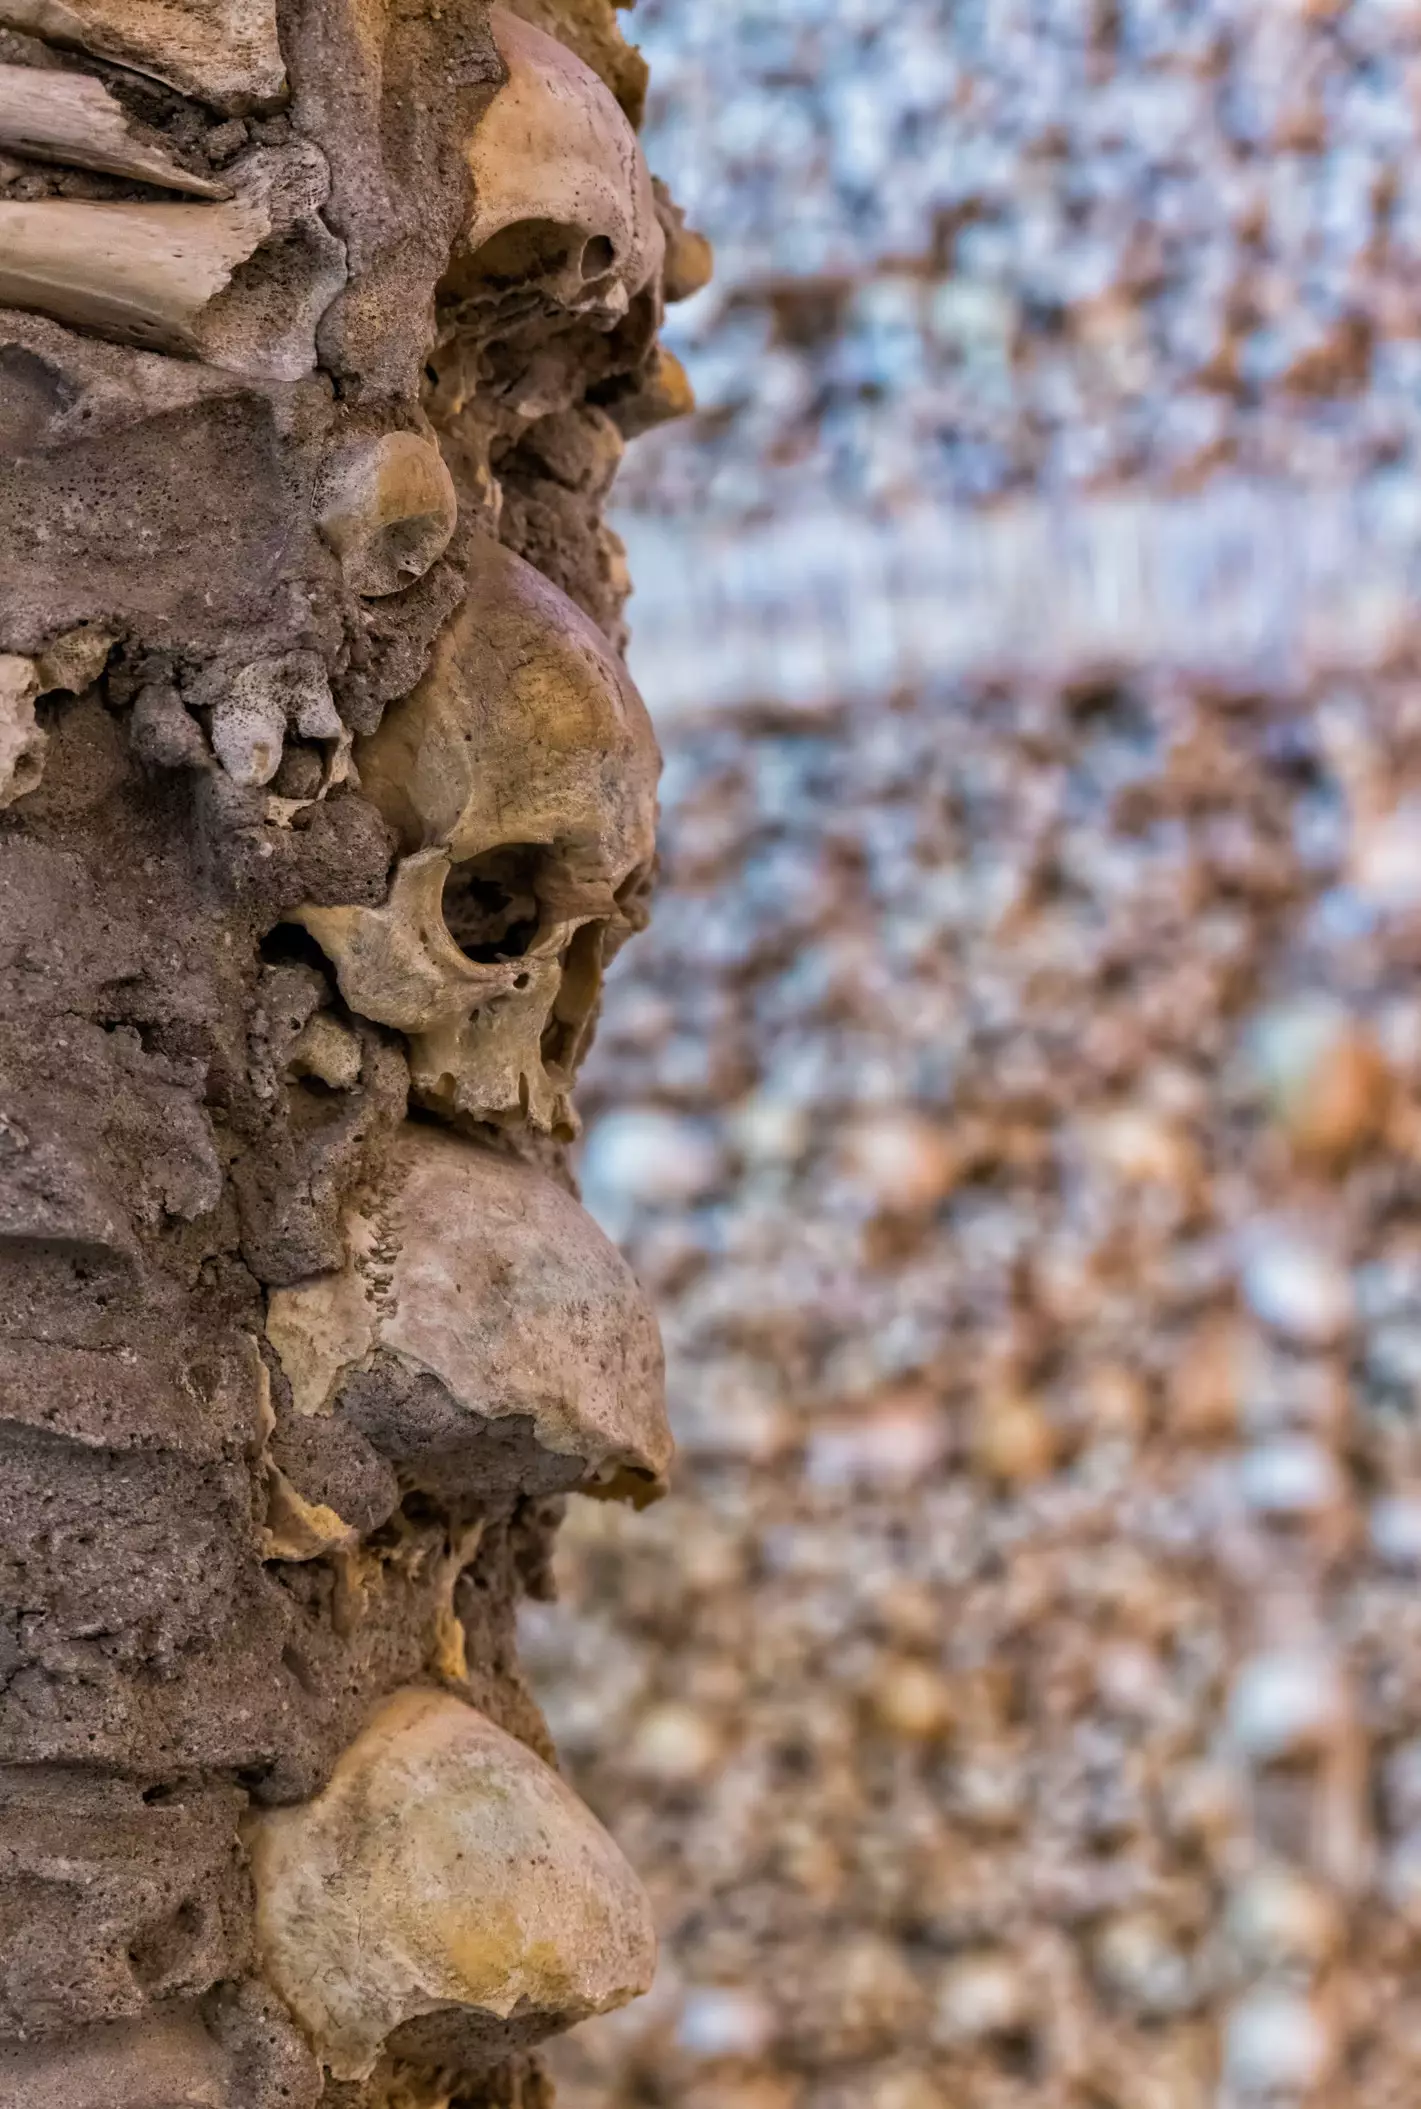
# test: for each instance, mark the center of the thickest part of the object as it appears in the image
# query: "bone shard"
(225, 52)
(480, 1272)
(563, 203)
(71, 119)
(444, 1870)
(156, 275)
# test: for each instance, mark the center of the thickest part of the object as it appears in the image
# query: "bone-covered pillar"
(324, 799)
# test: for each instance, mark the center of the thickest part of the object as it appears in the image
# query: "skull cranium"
(564, 214)
(520, 779)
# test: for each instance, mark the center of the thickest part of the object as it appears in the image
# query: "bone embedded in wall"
(563, 204)
(482, 1274)
(72, 119)
(444, 1871)
(520, 775)
(224, 52)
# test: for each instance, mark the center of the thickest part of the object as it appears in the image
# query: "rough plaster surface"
(262, 394)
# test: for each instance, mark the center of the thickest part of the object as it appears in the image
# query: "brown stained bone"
(72, 119)
(563, 207)
(387, 508)
(444, 1873)
(482, 1275)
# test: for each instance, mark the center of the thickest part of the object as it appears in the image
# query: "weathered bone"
(142, 273)
(387, 508)
(563, 203)
(71, 118)
(525, 741)
(226, 52)
(152, 274)
(479, 1271)
(445, 1870)
(22, 739)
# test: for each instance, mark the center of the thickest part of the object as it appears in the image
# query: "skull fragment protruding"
(564, 213)
(520, 779)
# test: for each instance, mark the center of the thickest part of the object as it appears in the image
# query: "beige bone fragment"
(225, 52)
(142, 273)
(444, 1870)
(154, 275)
(520, 776)
(71, 118)
(22, 740)
(481, 1272)
(563, 203)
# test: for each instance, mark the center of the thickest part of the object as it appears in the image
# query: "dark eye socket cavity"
(491, 903)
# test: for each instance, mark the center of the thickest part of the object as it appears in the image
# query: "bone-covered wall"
(324, 799)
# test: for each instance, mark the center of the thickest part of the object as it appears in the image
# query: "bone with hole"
(386, 506)
(563, 204)
(520, 778)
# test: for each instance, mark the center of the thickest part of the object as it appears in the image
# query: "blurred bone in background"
(1016, 1104)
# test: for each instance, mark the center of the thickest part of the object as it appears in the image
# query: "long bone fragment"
(226, 52)
(71, 119)
(142, 273)
(152, 275)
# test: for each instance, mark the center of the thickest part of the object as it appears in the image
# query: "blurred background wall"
(1016, 1104)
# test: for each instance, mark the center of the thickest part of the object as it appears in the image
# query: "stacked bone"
(323, 799)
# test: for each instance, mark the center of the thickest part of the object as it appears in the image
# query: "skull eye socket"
(491, 903)
(529, 249)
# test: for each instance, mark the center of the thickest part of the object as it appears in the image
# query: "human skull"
(477, 1300)
(564, 214)
(445, 1883)
(520, 779)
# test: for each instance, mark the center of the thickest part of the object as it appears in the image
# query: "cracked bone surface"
(520, 779)
(480, 1300)
(235, 542)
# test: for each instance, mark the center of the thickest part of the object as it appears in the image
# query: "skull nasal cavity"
(598, 256)
(491, 903)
